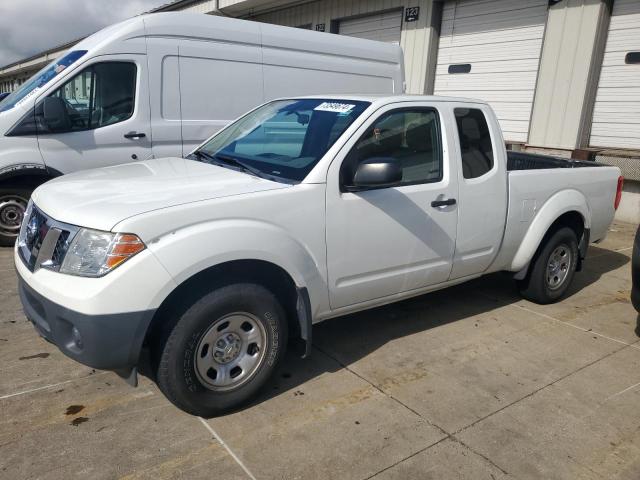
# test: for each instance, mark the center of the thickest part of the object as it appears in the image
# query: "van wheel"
(222, 349)
(13, 204)
(552, 268)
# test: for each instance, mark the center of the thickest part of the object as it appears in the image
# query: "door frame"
(449, 177)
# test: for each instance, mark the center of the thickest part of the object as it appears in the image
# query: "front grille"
(43, 241)
(62, 245)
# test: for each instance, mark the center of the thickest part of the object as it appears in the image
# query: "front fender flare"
(191, 250)
(27, 169)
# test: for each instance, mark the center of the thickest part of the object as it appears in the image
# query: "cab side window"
(101, 95)
(409, 136)
(475, 142)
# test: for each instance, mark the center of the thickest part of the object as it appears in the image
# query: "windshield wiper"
(228, 160)
(233, 161)
(200, 156)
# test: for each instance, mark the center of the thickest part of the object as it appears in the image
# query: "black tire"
(13, 203)
(541, 285)
(183, 383)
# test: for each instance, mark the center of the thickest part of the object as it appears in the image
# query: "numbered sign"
(411, 14)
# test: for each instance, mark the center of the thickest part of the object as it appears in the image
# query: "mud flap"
(583, 246)
(303, 310)
(129, 375)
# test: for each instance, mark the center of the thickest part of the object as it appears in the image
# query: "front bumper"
(109, 341)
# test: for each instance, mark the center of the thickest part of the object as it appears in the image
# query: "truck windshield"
(282, 140)
(32, 86)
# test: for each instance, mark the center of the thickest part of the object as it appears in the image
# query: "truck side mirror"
(378, 172)
(55, 115)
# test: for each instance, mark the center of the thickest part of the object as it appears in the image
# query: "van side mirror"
(378, 172)
(55, 115)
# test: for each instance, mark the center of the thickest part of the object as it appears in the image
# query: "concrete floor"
(470, 382)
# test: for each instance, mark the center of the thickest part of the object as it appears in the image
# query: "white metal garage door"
(384, 27)
(616, 115)
(490, 49)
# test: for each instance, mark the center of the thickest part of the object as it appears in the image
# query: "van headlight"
(93, 253)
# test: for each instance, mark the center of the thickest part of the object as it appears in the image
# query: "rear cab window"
(475, 142)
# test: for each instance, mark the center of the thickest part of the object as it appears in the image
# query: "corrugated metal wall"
(499, 42)
(382, 27)
(616, 115)
(416, 38)
(206, 6)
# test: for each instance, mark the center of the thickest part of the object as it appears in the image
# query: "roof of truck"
(386, 98)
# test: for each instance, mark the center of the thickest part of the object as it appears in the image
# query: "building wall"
(568, 74)
(205, 6)
(629, 209)
(418, 39)
(9, 84)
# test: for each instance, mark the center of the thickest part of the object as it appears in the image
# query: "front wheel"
(13, 204)
(222, 349)
(552, 268)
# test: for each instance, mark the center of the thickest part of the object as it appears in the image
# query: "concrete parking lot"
(470, 382)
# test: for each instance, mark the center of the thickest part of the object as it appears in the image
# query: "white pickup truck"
(302, 210)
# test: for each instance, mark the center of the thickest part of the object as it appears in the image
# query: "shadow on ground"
(347, 339)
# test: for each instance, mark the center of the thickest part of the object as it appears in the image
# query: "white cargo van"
(158, 85)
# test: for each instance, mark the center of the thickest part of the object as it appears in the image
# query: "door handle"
(134, 135)
(443, 203)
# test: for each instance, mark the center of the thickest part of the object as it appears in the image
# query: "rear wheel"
(552, 268)
(222, 349)
(13, 204)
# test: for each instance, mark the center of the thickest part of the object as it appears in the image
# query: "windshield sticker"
(335, 107)
(28, 96)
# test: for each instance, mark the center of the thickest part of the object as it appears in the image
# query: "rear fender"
(557, 205)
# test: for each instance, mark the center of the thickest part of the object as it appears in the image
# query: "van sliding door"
(164, 84)
(218, 83)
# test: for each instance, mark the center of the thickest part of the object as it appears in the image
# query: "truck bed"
(532, 161)
(534, 179)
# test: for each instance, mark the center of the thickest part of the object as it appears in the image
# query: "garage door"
(490, 49)
(616, 115)
(384, 27)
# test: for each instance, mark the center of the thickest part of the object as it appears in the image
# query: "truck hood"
(103, 197)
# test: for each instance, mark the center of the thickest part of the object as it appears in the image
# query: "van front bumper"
(108, 342)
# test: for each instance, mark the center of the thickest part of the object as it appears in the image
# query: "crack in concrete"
(452, 436)
(406, 458)
(530, 394)
(447, 435)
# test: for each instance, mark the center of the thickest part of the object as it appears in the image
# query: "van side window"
(101, 95)
(475, 142)
(411, 136)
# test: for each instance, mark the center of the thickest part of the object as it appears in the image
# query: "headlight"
(93, 253)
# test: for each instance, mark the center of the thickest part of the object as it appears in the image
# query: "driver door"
(383, 242)
(107, 103)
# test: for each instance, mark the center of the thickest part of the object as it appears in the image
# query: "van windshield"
(282, 140)
(32, 86)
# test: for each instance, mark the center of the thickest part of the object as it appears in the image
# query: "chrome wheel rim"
(12, 208)
(230, 351)
(558, 266)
